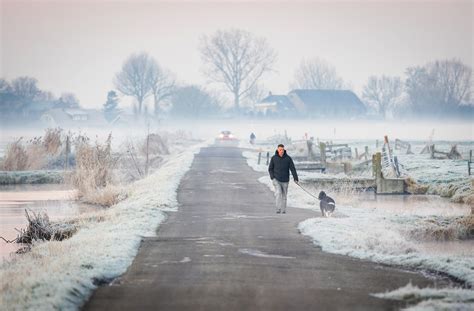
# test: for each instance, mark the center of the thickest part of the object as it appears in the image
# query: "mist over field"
(452, 130)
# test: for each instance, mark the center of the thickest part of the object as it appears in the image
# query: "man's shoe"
(284, 212)
(278, 212)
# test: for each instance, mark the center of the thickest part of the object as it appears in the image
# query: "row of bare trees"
(440, 85)
(436, 89)
(238, 60)
(235, 58)
(317, 73)
(383, 93)
(141, 76)
(22, 94)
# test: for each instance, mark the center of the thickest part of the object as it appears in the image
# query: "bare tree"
(193, 102)
(383, 92)
(237, 59)
(135, 78)
(421, 89)
(439, 86)
(317, 73)
(45, 96)
(162, 84)
(67, 100)
(8, 102)
(5, 87)
(25, 87)
(454, 79)
(256, 94)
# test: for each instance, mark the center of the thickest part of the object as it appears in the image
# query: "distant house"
(73, 117)
(274, 105)
(312, 103)
(327, 103)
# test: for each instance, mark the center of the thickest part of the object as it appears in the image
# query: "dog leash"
(307, 191)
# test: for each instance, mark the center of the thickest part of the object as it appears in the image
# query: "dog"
(327, 204)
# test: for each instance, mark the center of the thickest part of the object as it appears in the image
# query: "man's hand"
(297, 181)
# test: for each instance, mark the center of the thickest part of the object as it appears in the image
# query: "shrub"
(93, 173)
(16, 158)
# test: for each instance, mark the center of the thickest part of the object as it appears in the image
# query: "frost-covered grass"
(433, 172)
(387, 232)
(388, 236)
(446, 178)
(380, 237)
(432, 298)
(62, 275)
(31, 177)
(460, 191)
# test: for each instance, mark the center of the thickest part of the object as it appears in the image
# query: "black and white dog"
(327, 204)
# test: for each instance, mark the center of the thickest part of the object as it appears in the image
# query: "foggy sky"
(79, 46)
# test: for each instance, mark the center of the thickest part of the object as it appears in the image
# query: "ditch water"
(58, 201)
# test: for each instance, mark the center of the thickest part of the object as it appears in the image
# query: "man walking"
(279, 169)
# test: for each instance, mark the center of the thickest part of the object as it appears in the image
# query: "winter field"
(418, 232)
(392, 230)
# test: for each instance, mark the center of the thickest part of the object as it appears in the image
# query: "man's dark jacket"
(280, 167)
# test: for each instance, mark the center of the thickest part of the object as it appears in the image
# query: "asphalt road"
(227, 249)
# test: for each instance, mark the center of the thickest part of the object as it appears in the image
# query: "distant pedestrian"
(252, 138)
(279, 168)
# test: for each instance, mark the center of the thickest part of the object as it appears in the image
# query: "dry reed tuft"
(437, 229)
(411, 186)
(52, 141)
(107, 196)
(93, 174)
(467, 226)
(93, 166)
(33, 154)
(36, 153)
(41, 229)
(16, 158)
(458, 192)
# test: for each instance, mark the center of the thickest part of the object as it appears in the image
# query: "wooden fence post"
(68, 150)
(322, 149)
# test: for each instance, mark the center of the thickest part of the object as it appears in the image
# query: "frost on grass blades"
(61, 275)
(397, 231)
(432, 298)
(382, 237)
